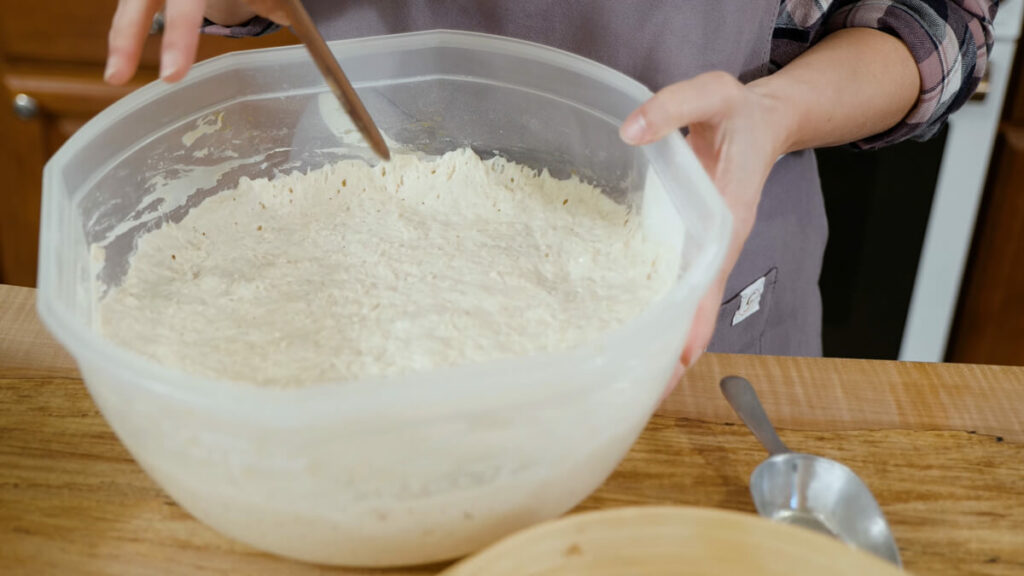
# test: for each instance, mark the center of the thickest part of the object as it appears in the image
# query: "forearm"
(228, 12)
(855, 83)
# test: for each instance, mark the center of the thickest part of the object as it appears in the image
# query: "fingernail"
(632, 132)
(111, 68)
(169, 64)
(689, 361)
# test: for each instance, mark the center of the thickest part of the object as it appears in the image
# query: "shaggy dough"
(353, 270)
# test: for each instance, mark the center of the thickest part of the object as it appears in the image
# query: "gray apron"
(771, 304)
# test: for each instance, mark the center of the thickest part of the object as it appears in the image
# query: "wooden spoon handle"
(304, 28)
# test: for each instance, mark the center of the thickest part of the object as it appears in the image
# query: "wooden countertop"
(942, 447)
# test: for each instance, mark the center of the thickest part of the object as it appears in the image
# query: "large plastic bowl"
(381, 471)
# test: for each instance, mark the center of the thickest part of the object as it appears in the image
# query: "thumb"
(673, 381)
(700, 99)
(703, 326)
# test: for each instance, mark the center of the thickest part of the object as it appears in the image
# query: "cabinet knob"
(25, 106)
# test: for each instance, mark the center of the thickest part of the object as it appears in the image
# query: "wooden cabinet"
(41, 105)
(989, 326)
(52, 54)
(990, 323)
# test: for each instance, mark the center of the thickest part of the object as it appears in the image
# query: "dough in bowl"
(355, 270)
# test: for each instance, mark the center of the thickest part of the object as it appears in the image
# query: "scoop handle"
(744, 401)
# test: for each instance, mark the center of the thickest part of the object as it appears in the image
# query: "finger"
(128, 32)
(699, 99)
(677, 374)
(181, 38)
(706, 317)
(703, 326)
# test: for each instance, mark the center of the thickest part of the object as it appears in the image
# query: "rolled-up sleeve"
(949, 39)
(255, 27)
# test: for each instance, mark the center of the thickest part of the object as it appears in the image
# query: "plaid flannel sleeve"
(949, 39)
(255, 27)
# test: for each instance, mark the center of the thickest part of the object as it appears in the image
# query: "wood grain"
(658, 540)
(954, 499)
(27, 350)
(989, 324)
(73, 501)
(940, 445)
(843, 394)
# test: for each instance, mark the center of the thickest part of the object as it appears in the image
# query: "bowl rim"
(518, 377)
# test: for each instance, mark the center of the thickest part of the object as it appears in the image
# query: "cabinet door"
(44, 104)
(52, 56)
(990, 322)
(21, 163)
(75, 32)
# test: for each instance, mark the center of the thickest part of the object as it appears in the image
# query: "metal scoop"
(809, 491)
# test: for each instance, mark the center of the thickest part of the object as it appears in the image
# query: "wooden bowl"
(655, 541)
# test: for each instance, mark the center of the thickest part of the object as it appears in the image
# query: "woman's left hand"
(737, 133)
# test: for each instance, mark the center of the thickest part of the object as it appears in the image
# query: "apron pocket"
(743, 318)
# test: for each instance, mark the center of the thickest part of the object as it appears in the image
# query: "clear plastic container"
(376, 472)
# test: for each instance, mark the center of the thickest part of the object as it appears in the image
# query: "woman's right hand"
(182, 19)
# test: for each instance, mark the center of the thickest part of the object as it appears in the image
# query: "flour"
(353, 271)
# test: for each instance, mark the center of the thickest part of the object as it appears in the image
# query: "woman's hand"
(182, 19)
(854, 83)
(737, 133)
